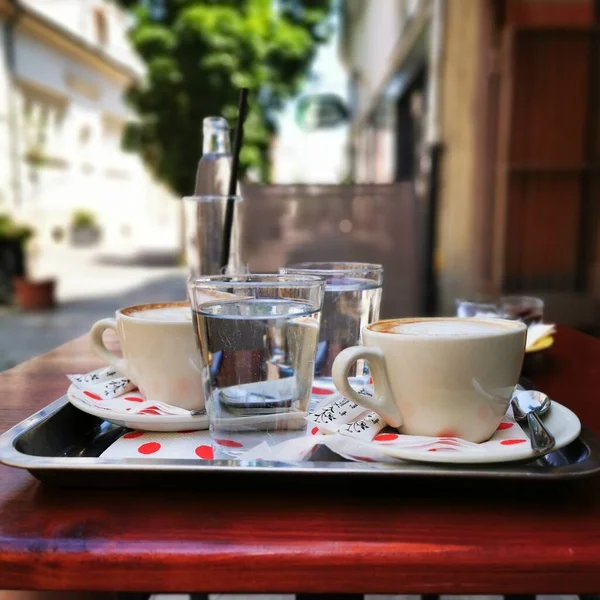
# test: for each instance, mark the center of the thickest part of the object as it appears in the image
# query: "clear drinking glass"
(484, 309)
(352, 301)
(258, 338)
(204, 218)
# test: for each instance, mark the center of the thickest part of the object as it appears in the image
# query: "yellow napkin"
(537, 332)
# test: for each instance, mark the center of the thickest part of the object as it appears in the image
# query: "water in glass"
(259, 356)
(349, 304)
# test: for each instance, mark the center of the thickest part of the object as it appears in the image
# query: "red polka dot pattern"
(92, 395)
(511, 442)
(149, 448)
(229, 443)
(133, 434)
(504, 426)
(204, 452)
(321, 391)
(386, 437)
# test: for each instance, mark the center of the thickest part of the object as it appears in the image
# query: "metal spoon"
(529, 406)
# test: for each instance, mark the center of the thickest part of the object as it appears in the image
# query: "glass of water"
(479, 308)
(352, 301)
(258, 338)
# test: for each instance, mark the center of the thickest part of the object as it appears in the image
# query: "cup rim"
(342, 268)
(123, 312)
(265, 280)
(506, 326)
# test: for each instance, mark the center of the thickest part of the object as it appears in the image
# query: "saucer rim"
(516, 453)
(142, 422)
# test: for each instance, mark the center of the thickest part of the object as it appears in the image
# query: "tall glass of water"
(258, 336)
(352, 301)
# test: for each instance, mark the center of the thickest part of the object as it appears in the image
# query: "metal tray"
(62, 445)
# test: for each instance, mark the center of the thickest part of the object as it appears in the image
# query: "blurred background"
(455, 142)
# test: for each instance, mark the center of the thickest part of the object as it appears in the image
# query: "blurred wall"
(376, 37)
(457, 246)
(351, 223)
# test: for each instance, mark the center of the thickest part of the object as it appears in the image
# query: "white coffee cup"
(160, 354)
(438, 376)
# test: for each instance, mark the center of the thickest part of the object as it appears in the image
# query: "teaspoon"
(529, 406)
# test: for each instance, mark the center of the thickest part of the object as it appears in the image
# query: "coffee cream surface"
(170, 314)
(442, 328)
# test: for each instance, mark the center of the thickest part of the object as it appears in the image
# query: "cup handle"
(381, 402)
(100, 349)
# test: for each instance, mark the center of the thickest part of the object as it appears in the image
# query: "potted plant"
(84, 229)
(12, 255)
(14, 283)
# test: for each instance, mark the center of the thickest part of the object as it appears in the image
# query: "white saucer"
(560, 421)
(142, 422)
(294, 420)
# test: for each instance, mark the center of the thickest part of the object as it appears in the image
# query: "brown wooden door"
(549, 162)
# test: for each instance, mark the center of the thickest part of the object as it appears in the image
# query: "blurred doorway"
(410, 112)
(538, 163)
(550, 152)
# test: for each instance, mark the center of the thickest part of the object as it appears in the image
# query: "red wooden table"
(409, 536)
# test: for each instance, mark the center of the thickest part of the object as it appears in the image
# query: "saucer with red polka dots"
(510, 443)
(150, 418)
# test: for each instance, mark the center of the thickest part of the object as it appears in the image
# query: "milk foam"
(447, 328)
(177, 314)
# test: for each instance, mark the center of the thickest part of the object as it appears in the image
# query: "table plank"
(408, 536)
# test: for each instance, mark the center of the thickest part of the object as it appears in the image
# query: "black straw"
(235, 163)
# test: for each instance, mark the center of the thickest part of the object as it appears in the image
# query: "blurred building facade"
(301, 154)
(492, 109)
(64, 67)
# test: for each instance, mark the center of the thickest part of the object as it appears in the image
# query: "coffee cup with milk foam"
(446, 377)
(159, 352)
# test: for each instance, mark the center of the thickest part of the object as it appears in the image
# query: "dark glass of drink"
(528, 309)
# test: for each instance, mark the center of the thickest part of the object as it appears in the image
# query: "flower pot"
(84, 237)
(12, 264)
(34, 295)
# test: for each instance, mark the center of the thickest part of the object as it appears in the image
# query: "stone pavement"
(91, 286)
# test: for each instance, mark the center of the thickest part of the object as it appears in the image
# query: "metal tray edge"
(10, 456)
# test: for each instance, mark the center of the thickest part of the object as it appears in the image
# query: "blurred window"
(43, 118)
(100, 26)
(321, 111)
(85, 134)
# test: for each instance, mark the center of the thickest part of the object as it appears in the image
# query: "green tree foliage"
(198, 54)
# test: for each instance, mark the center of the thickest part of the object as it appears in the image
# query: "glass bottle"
(214, 167)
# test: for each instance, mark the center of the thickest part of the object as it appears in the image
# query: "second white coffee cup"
(438, 377)
(160, 353)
